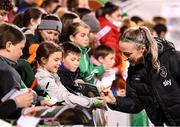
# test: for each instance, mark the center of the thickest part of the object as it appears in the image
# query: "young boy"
(68, 71)
(105, 54)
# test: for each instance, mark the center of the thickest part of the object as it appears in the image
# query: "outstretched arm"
(128, 104)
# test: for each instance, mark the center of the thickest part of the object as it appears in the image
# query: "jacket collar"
(45, 73)
(8, 61)
(65, 70)
(83, 49)
(164, 45)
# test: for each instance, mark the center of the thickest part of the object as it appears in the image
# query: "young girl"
(49, 57)
(29, 20)
(78, 33)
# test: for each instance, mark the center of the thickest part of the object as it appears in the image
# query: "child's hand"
(101, 90)
(25, 99)
(30, 111)
(79, 81)
(45, 102)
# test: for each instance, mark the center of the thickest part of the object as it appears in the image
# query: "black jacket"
(157, 93)
(68, 78)
(8, 109)
(9, 79)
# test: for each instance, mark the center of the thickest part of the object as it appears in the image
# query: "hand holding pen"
(25, 99)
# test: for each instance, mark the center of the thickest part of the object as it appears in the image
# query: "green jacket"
(25, 71)
(88, 71)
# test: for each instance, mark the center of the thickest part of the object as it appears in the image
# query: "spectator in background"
(99, 12)
(29, 20)
(111, 18)
(92, 22)
(138, 20)
(60, 11)
(82, 11)
(72, 5)
(48, 30)
(5, 7)
(25, 4)
(50, 5)
(83, 4)
(67, 19)
(126, 23)
(94, 25)
(160, 30)
(159, 20)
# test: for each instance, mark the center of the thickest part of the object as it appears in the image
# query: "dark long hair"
(109, 8)
(45, 50)
(23, 19)
(66, 20)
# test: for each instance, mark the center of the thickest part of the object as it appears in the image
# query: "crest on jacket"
(163, 71)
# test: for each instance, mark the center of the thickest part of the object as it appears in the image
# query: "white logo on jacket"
(167, 82)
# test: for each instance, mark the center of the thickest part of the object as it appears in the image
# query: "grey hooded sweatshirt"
(58, 91)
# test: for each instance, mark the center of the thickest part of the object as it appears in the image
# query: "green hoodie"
(87, 70)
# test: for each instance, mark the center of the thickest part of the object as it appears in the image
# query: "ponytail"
(24, 19)
(35, 65)
(19, 20)
(153, 48)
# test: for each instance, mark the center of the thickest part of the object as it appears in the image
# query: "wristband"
(98, 102)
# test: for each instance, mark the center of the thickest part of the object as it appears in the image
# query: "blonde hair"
(142, 36)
